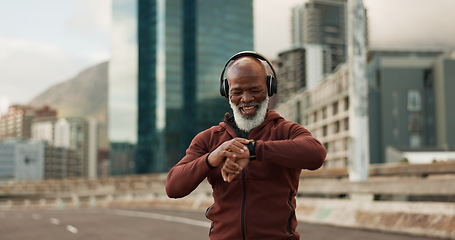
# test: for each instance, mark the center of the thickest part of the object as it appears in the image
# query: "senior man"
(252, 159)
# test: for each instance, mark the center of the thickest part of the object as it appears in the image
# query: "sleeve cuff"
(207, 162)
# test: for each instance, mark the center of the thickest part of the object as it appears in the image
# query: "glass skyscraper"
(322, 22)
(167, 57)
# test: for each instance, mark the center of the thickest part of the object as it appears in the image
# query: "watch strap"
(252, 148)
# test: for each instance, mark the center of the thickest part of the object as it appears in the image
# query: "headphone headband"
(271, 80)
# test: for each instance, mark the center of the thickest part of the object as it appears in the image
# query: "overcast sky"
(49, 41)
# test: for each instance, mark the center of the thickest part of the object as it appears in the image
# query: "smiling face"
(248, 92)
(247, 85)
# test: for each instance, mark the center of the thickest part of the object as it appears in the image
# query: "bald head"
(247, 66)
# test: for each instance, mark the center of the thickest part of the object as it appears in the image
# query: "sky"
(46, 42)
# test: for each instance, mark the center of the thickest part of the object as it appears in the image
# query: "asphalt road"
(144, 224)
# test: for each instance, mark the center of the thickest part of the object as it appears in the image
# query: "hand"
(233, 167)
(229, 149)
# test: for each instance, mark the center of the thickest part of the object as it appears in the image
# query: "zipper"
(242, 218)
(288, 228)
(243, 205)
(206, 215)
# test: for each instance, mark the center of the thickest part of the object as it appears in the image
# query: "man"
(253, 160)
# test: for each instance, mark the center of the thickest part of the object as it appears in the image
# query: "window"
(346, 124)
(326, 145)
(414, 100)
(324, 130)
(415, 140)
(299, 117)
(336, 128)
(346, 144)
(335, 108)
(346, 103)
(324, 112)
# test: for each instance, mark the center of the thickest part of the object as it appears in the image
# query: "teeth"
(248, 108)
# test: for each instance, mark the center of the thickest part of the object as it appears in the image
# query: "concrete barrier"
(347, 204)
(415, 218)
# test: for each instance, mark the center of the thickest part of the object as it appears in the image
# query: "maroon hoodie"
(260, 202)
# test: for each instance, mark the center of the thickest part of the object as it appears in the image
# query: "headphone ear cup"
(274, 85)
(271, 85)
(224, 88)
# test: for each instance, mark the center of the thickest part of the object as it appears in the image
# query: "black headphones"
(271, 80)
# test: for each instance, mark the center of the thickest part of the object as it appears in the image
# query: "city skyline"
(55, 41)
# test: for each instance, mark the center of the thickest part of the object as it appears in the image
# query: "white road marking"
(36, 216)
(54, 221)
(162, 217)
(71, 229)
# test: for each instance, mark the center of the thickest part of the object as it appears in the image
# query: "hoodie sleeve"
(187, 174)
(300, 151)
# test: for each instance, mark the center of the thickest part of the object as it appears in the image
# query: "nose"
(247, 97)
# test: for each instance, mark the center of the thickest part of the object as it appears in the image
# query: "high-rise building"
(167, 57)
(322, 22)
(302, 67)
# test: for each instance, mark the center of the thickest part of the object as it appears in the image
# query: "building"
(103, 163)
(302, 67)
(324, 111)
(319, 38)
(16, 123)
(409, 100)
(164, 76)
(44, 129)
(61, 163)
(72, 146)
(322, 22)
(22, 159)
(408, 108)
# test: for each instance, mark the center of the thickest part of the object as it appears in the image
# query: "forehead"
(246, 71)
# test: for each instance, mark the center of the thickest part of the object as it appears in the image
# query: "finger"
(241, 143)
(236, 147)
(242, 140)
(232, 165)
(229, 154)
(230, 169)
(231, 177)
(224, 175)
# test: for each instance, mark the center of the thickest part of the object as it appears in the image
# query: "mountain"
(85, 96)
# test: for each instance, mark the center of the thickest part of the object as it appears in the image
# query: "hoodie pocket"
(206, 215)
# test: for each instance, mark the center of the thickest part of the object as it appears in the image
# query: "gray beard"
(246, 123)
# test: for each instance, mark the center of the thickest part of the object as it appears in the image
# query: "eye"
(256, 90)
(236, 93)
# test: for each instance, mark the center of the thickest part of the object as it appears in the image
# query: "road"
(143, 224)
